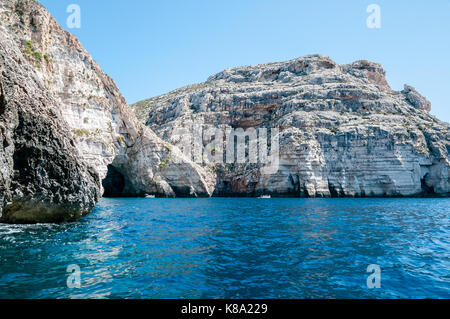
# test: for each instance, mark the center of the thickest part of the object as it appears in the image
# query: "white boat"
(265, 197)
(150, 196)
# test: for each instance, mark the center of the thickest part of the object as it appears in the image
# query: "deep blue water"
(235, 248)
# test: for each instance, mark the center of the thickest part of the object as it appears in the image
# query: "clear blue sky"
(152, 47)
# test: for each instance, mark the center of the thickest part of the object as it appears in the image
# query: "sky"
(153, 47)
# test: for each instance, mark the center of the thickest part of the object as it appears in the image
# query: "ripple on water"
(234, 248)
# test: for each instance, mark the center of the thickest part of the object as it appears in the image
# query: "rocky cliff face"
(342, 130)
(41, 178)
(66, 128)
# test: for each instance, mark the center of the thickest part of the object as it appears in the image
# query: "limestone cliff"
(67, 135)
(342, 130)
(41, 178)
(66, 128)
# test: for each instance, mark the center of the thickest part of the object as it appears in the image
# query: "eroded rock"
(343, 130)
(64, 122)
(41, 178)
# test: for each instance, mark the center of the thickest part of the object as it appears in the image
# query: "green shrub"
(164, 163)
(28, 47)
(81, 132)
(121, 140)
(37, 55)
(334, 130)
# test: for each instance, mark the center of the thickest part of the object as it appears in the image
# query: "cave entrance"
(114, 183)
(427, 190)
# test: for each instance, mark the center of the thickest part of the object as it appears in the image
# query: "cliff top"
(308, 73)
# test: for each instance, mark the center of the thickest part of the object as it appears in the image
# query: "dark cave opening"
(114, 183)
(427, 190)
(2, 101)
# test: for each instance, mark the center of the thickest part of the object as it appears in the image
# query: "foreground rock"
(66, 129)
(343, 130)
(41, 178)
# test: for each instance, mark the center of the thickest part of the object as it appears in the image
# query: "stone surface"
(343, 130)
(64, 123)
(41, 178)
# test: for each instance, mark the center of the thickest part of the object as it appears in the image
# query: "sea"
(233, 248)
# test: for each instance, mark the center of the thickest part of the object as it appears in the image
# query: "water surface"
(235, 248)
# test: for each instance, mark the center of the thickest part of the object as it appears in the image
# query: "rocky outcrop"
(415, 99)
(342, 130)
(41, 178)
(66, 128)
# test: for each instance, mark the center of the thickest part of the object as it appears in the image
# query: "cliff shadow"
(114, 183)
